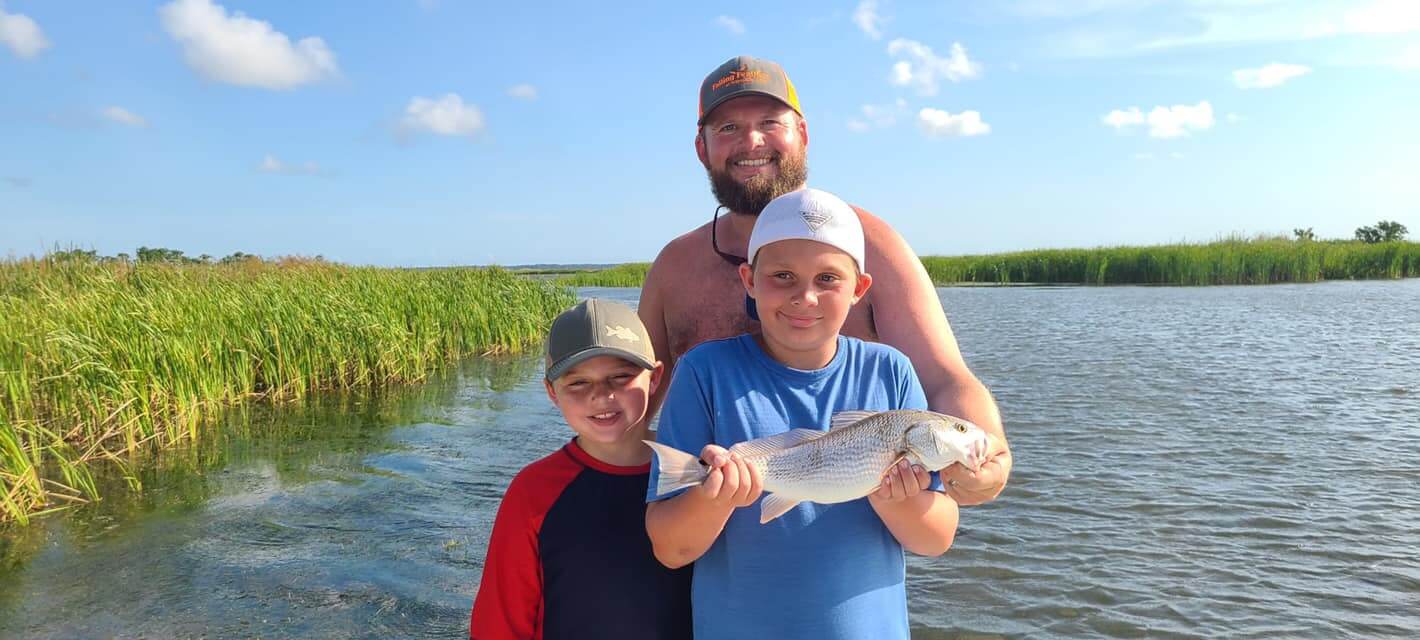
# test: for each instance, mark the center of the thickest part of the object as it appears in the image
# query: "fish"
(845, 463)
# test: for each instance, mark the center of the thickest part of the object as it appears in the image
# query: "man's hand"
(732, 481)
(969, 487)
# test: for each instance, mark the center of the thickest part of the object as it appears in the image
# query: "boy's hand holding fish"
(922, 520)
(731, 481)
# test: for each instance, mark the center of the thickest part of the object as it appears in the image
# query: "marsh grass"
(98, 359)
(1229, 261)
(631, 274)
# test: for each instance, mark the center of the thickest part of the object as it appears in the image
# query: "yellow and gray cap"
(744, 75)
(597, 327)
(809, 214)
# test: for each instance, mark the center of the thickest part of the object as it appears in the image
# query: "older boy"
(819, 571)
(569, 556)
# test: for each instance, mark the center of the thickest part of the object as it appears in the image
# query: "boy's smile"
(803, 290)
(604, 400)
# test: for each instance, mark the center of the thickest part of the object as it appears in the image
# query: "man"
(753, 141)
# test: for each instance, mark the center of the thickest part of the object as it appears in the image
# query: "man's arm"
(651, 309)
(909, 316)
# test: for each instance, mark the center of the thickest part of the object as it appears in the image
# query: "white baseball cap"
(809, 214)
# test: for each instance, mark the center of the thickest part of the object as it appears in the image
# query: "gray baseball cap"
(597, 327)
(744, 75)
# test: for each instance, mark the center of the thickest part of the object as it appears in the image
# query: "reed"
(1229, 261)
(1260, 260)
(631, 274)
(98, 358)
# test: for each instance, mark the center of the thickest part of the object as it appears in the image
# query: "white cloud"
(867, 18)
(243, 51)
(523, 92)
(877, 116)
(1234, 118)
(1124, 118)
(1178, 120)
(1383, 16)
(447, 116)
(1268, 76)
(1101, 28)
(21, 34)
(272, 164)
(1165, 122)
(938, 123)
(923, 69)
(732, 25)
(124, 117)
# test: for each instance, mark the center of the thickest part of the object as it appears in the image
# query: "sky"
(450, 132)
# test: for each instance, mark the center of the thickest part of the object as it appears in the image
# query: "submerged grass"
(1230, 261)
(99, 358)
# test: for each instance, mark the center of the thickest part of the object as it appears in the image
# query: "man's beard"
(751, 195)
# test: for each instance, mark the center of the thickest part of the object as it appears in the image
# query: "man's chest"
(709, 304)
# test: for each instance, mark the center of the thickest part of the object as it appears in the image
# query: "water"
(1191, 462)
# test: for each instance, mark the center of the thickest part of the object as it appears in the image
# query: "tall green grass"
(631, 274)
(97, 359)
(1230, 261)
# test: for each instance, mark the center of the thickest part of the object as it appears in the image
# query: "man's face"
(754, 149)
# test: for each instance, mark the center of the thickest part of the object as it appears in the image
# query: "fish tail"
(675, 469)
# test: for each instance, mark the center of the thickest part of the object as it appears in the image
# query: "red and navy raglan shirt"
(570, 558)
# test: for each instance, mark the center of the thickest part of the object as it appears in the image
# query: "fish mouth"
(976, 453)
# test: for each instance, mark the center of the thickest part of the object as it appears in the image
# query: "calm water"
(1191, 462)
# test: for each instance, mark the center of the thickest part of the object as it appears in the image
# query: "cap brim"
(561, 366)
(741, 94)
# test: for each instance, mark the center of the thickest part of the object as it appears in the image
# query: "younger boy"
(819, 571)
(569, 556)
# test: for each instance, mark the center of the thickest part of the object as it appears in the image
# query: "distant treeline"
(1230, 261)
(99, 356)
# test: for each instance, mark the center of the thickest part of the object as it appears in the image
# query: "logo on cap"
(815, 219)
(622, 332)
(743, 75)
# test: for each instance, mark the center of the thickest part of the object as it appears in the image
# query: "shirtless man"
(753, 141)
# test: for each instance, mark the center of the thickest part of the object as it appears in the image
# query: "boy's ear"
(860, 288)
(747, 278)
(657, 373)
(551, 393)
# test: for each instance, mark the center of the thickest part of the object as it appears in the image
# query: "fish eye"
(961, 428)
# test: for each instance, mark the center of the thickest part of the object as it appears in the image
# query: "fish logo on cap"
(622, 332)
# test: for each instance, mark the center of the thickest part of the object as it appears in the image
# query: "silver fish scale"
(844, 464)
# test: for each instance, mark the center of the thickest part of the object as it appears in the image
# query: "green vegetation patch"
(631, 274)
(1232, 261)
(100, 357)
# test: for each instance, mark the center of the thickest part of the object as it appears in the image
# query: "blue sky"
(437, 132)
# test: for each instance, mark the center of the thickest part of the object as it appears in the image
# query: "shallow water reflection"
(1191, 462)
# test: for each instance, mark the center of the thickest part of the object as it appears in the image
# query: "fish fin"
(845, 418)
(774, 505)
(675, 469)
(777, 442)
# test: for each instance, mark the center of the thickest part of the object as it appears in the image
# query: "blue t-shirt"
(819, 571)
